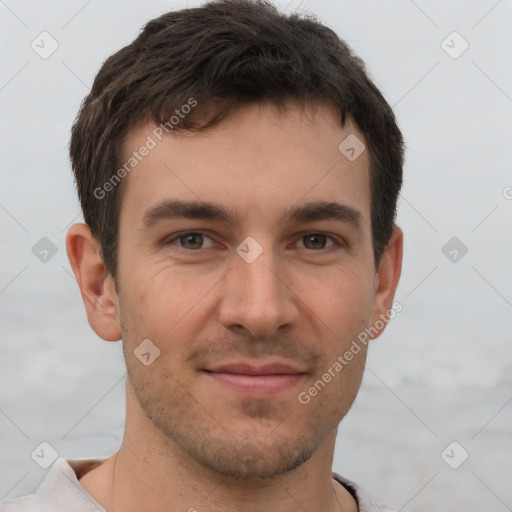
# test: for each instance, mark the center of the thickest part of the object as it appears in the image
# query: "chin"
(248, 461)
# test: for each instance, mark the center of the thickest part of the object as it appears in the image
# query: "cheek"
(154, 291)
(159, 304)
(343, 310)
(343, 300)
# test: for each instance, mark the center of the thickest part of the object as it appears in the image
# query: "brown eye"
(190, 241)
(315, 241)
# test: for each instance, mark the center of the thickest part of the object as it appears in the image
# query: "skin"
(190, 441)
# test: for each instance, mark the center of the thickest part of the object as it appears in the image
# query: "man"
(259, 137)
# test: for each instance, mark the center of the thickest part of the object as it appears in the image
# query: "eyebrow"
(309, 212)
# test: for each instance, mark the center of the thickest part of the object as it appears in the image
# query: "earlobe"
(386, 281)
(95, 283)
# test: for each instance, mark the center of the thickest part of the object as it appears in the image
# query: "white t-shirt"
(60, 491)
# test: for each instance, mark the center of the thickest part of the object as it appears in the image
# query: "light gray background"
(441, 372)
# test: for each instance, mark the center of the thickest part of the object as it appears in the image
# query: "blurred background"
(431, 428)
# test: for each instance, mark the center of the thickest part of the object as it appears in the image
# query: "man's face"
(210, 298)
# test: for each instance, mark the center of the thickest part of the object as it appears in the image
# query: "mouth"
(259, 381)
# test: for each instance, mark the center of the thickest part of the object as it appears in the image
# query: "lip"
(245, 368)
(258, 381)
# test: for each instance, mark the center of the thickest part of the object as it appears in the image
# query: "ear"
(386, 281)
(96, 285)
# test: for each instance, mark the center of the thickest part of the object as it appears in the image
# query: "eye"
(190, 241)
(194, 241)
(317, 241)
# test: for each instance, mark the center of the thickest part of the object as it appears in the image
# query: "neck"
(151, 473)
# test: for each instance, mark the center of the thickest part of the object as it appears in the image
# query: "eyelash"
(336, 243)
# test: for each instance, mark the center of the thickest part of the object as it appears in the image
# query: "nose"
(258, 296)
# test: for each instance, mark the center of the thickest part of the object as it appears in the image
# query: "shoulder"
(29, 503)
(364, 502)
(60, 491)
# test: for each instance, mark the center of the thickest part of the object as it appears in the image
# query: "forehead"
(257, 162)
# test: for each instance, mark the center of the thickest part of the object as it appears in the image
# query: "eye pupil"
(315, 238)
(190, 237)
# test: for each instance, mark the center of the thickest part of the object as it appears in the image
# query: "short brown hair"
(226, 54)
